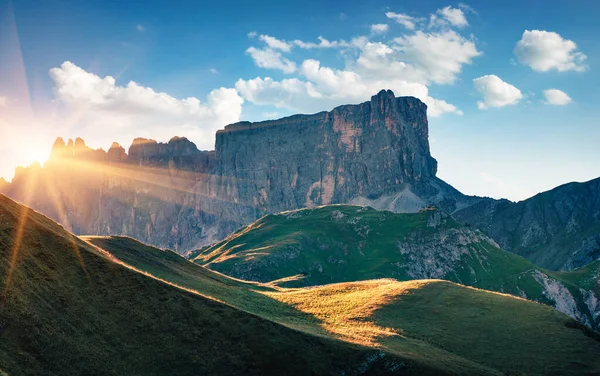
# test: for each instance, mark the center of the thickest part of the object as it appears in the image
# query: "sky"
(512, 87)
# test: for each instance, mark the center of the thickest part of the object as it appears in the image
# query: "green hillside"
(445, 325)
(112, 306)
(68, 309)
(342, 243)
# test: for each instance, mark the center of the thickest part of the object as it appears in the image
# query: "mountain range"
(375, 154)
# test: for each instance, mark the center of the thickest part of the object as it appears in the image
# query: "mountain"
(434, 322)
(558, 229)
(340, 243)
(173, 195)
(376, 154)
(114, 306)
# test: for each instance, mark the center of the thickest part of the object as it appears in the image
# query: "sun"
(39, 155)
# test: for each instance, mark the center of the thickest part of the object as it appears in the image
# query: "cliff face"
(172, 195)
(374, 152)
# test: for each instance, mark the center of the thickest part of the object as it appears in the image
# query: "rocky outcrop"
(377, 151)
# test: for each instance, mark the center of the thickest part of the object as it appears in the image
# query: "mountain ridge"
(341, 243)
(376, 154)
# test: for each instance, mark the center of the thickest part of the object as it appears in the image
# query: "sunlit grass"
(435, 322)
(345, 310)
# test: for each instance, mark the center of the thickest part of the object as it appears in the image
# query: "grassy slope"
(438, 322)
(346, 243)
(69, 309)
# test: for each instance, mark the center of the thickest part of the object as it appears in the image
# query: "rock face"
(558, 229)
(373, 152)
(173, 195)
(139, 194)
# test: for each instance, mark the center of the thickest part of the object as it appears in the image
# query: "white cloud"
(214, 71)
(270, 115)
(454, 16)
(102, 111)
(323, 43)
(140, 27)
(496, 93)
(439, 56)
(270, 59)
(556, 97)
(276, 44)
(325, 88)
(252, 34)
(379, 28)
(543, 51)
(404, 19)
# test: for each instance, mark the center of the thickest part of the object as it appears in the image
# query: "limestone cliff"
(173, 195)
(374, 152)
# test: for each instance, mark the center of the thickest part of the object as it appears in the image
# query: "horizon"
(509, 116)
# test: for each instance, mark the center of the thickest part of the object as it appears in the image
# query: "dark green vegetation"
(111, 306)
(344, 243)
(558, 229)
(447, 326)
(69, 310)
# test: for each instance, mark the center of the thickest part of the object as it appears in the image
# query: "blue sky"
(55, 57)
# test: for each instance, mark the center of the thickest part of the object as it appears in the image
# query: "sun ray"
(23, 217)
(64, 219)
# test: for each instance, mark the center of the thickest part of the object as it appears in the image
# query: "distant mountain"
(558, 229)
(341, 243)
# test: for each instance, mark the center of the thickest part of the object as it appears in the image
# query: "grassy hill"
(113, 306)
(69, 309)
(450, 327)
(343, 243)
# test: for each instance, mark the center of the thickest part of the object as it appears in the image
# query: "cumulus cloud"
(103, 111)
(545, 50)
(404, 19)
(405, 65)
(252, 34)
(438, 56)
(270, 59)
(379, 28)
(448, 15)
(556, 97)
(276, 44)
(495, 92)
(325, 88)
